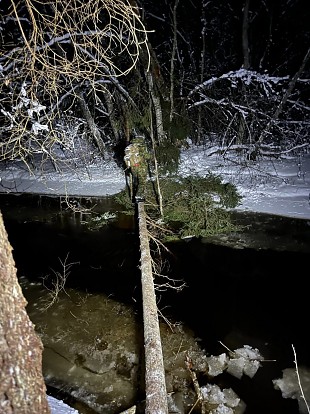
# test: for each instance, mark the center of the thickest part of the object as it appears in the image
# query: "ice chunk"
(246, 362)
(248, 352)
(212, 394)
(235, 367)
(251, 367)
(218, 401)
(222, 409)
(216, 364)
(231, 398)
(290, 387)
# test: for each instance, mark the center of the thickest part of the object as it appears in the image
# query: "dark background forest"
(278, 31)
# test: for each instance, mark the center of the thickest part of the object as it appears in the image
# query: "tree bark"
(202, 72)
(156, 171)
(111, 112)
(92, 125)
(161, 135)
(22, 387)
(173, 54)
(246, 65)
(155, 386)
(245, 35)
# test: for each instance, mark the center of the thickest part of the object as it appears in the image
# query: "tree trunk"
(202, 72)
(22, 387)
(173, 54)
(92, 125)
(161, 135)
(246, 65)
(111, 112)
(156, 171)
(155, 386)
(245, 36)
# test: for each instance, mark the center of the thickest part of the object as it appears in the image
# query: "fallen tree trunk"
(155, 385)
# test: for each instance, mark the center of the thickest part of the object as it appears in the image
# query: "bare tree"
(245, 35)
(173, 56)
(202, 69)
(285, 97)
(60, 50)
(264, 93)
(22, 387)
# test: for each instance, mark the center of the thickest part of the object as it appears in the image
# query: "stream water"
(246, 288)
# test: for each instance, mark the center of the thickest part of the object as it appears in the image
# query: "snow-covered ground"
(59, 407)
(276, 186)
(101, 178)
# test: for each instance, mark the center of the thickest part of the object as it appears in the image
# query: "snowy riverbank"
(275, 186)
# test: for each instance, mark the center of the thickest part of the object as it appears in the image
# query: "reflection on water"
(93, 349)
(252, 294)
(91, 346)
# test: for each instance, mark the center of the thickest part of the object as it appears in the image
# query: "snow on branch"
(56, 54)
(246, 76)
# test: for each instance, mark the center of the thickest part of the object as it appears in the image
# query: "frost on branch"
(26, 109)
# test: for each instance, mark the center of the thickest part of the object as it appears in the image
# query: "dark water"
(255, 293)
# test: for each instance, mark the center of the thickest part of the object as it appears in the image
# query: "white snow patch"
(59, 407)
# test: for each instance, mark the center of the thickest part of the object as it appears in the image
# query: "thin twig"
(299, 381)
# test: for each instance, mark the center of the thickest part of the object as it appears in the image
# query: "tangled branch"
(65, 47)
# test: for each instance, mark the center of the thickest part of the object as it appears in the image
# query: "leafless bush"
(245, 109)
(57, 282)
